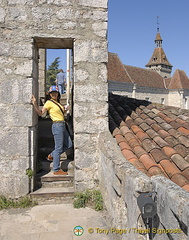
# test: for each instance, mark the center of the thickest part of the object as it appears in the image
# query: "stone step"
(49, 180)
(53, 195)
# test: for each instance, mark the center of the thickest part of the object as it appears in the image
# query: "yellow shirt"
(54, 111)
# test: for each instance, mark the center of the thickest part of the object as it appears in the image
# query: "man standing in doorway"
(60, 81)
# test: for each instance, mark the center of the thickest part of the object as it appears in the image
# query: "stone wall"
(121, 183)
(26, 26)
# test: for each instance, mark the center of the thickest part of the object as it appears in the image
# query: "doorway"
(44, 51)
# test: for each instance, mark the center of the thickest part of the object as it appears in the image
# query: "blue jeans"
(62, 142)
(61, 88)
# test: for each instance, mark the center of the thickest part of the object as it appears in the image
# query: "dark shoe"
(60, 172)
(49, 158)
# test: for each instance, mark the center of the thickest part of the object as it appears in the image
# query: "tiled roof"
(179, 80)
(124, 73)
(158, 57)
(154, 138)
(144, 77)
(116, 70)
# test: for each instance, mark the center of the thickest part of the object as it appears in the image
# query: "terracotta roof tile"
(179, 161)
(182, 150)
(149, 145)
(144, 126)
(147, 161)
(139, 120)
(174, 133)
(175, 124)
(149, 121)
(171, 141)
(151, 133)
(137, 164)
(180, 121)
(157, 154)
(142, 135)
(151, 114)
(158, 119)
(119, 138)
(184, 130)
(161, 143)
(124, 145)
(186, 173)
(169, 168)
(156, 127)
(186, 187)
(153, 144)
(134, 143)
(139, 151)
(187, 158)
(128, 154)
(184, 140)
(128, 136)
(186, 125)
(180, 180)
(143, 116)
(166, 126)
(135, 129)
(124, 130)
(169, 151)
(155, 170)
(163, 133)
(129, 123)
(116, 131)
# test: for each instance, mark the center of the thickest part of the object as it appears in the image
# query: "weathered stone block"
(14, 115)
(5, 49)
(42, 14)
(94, 15)
(66, 14)
(91, 51)
(100, 29)
(98, 93)
(18, 165)
(14, 141)
(92, 3)
(22, 50)
(97, 110)
(18, 14)
(92, 126)
(19, 91)
(2, 15)
(14, 186)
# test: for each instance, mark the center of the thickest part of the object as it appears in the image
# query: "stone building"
(148, 84)
(27, 29)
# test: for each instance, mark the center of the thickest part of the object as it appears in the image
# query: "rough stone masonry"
(26, 26)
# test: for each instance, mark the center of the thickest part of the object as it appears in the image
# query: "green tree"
(52, 72)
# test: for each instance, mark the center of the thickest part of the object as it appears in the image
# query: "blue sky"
(132, 28)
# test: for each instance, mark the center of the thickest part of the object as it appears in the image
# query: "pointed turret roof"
(158, 56)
